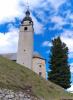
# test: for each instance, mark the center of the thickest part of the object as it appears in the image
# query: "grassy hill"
(16, 77)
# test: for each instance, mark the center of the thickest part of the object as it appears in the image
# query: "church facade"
(25, 55)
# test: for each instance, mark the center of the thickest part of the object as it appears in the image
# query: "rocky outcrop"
(6, 94)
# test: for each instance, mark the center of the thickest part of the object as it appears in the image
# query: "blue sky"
(51, 18)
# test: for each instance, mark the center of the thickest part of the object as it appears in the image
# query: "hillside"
(16, 77)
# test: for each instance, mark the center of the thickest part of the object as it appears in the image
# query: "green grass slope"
(16, 77)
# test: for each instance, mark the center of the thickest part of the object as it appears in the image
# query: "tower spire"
(27, 4)
(27, 11)
(27, 15)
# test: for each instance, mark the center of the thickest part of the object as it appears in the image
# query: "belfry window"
(40, 66)
(25, 28)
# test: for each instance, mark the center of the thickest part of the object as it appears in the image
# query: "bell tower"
(25, 43)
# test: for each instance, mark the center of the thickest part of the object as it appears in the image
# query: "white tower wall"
(25, 44)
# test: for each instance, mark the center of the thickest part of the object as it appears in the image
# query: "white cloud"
(57, 19)
(32, 3)
(57, 3)
(38, 3)
(67, 37)
(70, 89)
(38, 27)
(70, 16)
(46, 43)
(9, 9)
(56, 26)
(71, 67)
(9, 41)
(69, 42)
(59, 22)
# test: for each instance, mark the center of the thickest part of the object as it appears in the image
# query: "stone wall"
(6, 94)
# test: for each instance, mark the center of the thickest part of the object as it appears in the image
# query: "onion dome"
(27, 17)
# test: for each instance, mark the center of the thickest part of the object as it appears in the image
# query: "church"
(25, 54)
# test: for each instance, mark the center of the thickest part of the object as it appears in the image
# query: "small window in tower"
(40, 66)
(24, 50)
(40, 73)
(25, 28)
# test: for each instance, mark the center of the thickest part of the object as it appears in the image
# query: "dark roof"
(27, 17)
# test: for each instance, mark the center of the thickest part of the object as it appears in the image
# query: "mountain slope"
(16, 77)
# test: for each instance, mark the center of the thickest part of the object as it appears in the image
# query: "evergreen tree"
(59, 68)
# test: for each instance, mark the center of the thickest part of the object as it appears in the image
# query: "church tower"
(25, 43)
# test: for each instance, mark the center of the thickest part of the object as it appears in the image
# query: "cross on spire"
(27, 4)
(27, 12)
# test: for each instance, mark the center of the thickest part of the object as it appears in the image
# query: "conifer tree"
(58, 64)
